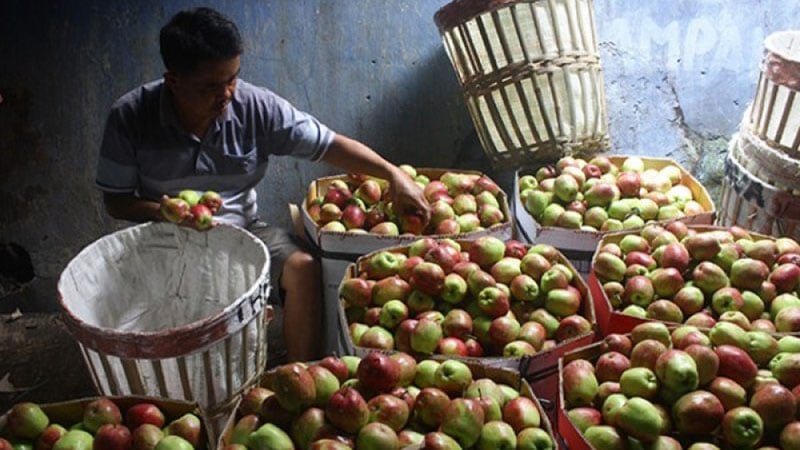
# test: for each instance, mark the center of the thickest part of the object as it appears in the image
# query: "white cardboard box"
(338, 250)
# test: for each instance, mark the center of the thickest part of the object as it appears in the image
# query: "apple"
(640, 419)
(639, 382)
(452, 346)
(775, 404)
(149, 413)
(646, 353)
(46, 439)
(497, 435)
(336, 366)
(325, 383)
(146, 437)
(452, 377)
(736, 364)
(383, 264)
(26, 420)
(486, 251)
(677, 371)
(455, 288)
(462, 419)
(610, 366)
(375, 436)
(187, 426)
(616, 342)
(347, 410)
(112, 437)
(99, 412)
(697, 413)
(493, 301)
(357, 291)
(579, 384)
(389, 410)
(175, 210)
(243, 427)
(430, 405)
(521, 413)
(428, 278)
(78, 439)
(378, 372)
(425, 336)
(457, 323)
(266, 436)
(425, 370)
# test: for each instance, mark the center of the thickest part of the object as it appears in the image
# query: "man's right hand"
(178, 212)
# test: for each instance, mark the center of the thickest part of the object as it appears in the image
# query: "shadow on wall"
(432, 127)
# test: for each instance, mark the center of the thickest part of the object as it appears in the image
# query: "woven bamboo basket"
(531, 76)
(760, 190)
(775, 113)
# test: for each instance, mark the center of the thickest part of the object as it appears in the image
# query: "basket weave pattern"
(531, 76)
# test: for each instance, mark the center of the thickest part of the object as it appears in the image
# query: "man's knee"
(300, 266)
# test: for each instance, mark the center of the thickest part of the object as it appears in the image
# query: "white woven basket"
(752, 201)
(775, 113)
(531, 76)
(166, 311)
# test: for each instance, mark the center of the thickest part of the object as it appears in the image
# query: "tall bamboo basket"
(760, 190)
(165, 311)
(530, 74)
(775, 113)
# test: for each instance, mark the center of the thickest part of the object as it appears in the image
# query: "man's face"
(205, 93)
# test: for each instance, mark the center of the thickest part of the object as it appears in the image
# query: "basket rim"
(173, 341)
(459, 11)
(775, 44)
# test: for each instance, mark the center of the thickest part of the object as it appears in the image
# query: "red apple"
(112, 437)
(100, 412)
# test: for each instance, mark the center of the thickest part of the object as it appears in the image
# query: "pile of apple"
(102, 427)
(491, 298)
(384, 402)
(460, 203)
(599, 196)
(200, 207)
(668, 390)
(679, 274)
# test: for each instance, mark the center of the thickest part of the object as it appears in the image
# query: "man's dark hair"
(198, 35)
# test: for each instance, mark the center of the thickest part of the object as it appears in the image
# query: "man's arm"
(132, 208)
(354, 157)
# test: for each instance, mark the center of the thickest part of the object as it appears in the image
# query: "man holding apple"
(203, 128)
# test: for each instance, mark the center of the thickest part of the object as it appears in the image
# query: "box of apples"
(681, 387)
(696, 275)
(572, 203)
(346, 216)
(499, 303)
(106, 423)
(385, 402)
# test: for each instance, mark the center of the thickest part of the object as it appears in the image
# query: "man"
(203, 128)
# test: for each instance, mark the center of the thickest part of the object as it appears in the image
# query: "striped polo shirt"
(146, 152)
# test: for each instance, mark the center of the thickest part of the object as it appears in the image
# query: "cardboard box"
(579, 245)
(499, 375)
(70, 412)
(338, 250)
(611, 320)
(527, 366)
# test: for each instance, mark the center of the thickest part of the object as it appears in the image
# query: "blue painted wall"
(678, 77)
